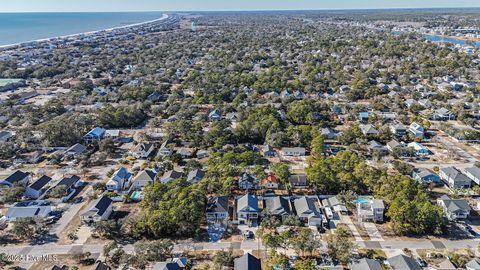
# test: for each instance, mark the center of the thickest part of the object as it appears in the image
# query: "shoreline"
(6, 46)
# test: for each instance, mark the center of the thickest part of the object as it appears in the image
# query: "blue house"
(363, 116)
(425, 175)
(94, 135)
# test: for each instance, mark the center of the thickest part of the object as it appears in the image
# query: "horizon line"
(249, 10)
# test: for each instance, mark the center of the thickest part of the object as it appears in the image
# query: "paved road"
(245, 245)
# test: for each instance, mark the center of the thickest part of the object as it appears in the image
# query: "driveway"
(372, 231)
(69, 214)
(348, 221)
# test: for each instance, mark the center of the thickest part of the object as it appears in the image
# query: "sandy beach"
(164, 17)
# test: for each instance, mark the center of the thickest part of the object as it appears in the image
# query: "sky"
(207, 5)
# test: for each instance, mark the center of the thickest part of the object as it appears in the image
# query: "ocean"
(23, 27)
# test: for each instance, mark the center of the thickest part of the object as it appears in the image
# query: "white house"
(369, 208)
(454, 209)
(293, 151)
(247, 210)
(98, 210)
(474, 174)
(142, 150)
(308, 210)
(143, 178)
(454, 178)
(120, 180)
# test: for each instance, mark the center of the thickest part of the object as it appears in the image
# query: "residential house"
(443, 114)
(393, 144)
(365, 264)
(473, 264)
(474, 174)
(98, 210)
(247, 210)
(99, 265)
(202, 154)
(31, 158)
(425, 176)
(170, 176)
(74, 151)
(171, 264)
(143, 179)
(334, 205)
(363, 116)
(247, 181)
(215, 115)
(112, 134)
(70, 184)
(329, 133)
(308, 211)
(120, 180)
(454, 209)
(34, 211)
(142, 150)
(277, 206)
(398, 129)
(299, 94)
(420, 149)
(38, 188)
(232, 117)
(402, 262)
(195, 175)
(369, 208)
(374, 146)
(5, 135)
(164, 150)
(271, 181)
(217, 208)
(293, 151)
(298, 181)
(185, 153)
(247, 262)
(16, 178)
(96, 134)
(454, 178)
(417, 130)
(368, 129)
(268, 151)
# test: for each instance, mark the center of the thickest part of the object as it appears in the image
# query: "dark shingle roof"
(217, 204)
(16, 177)
(68, 182)
(40, 183)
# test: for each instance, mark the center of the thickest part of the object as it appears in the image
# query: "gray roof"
(402, 262)
(473, 264)
(247, 200)
(29, 211)
(247, 262)
(217, 204)
(454, 205)
(277, 205)
(365, 264)
(475, 171)
(76, 149)
(455, 174)
(145, 175)
(306, 206)
(195, 175)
